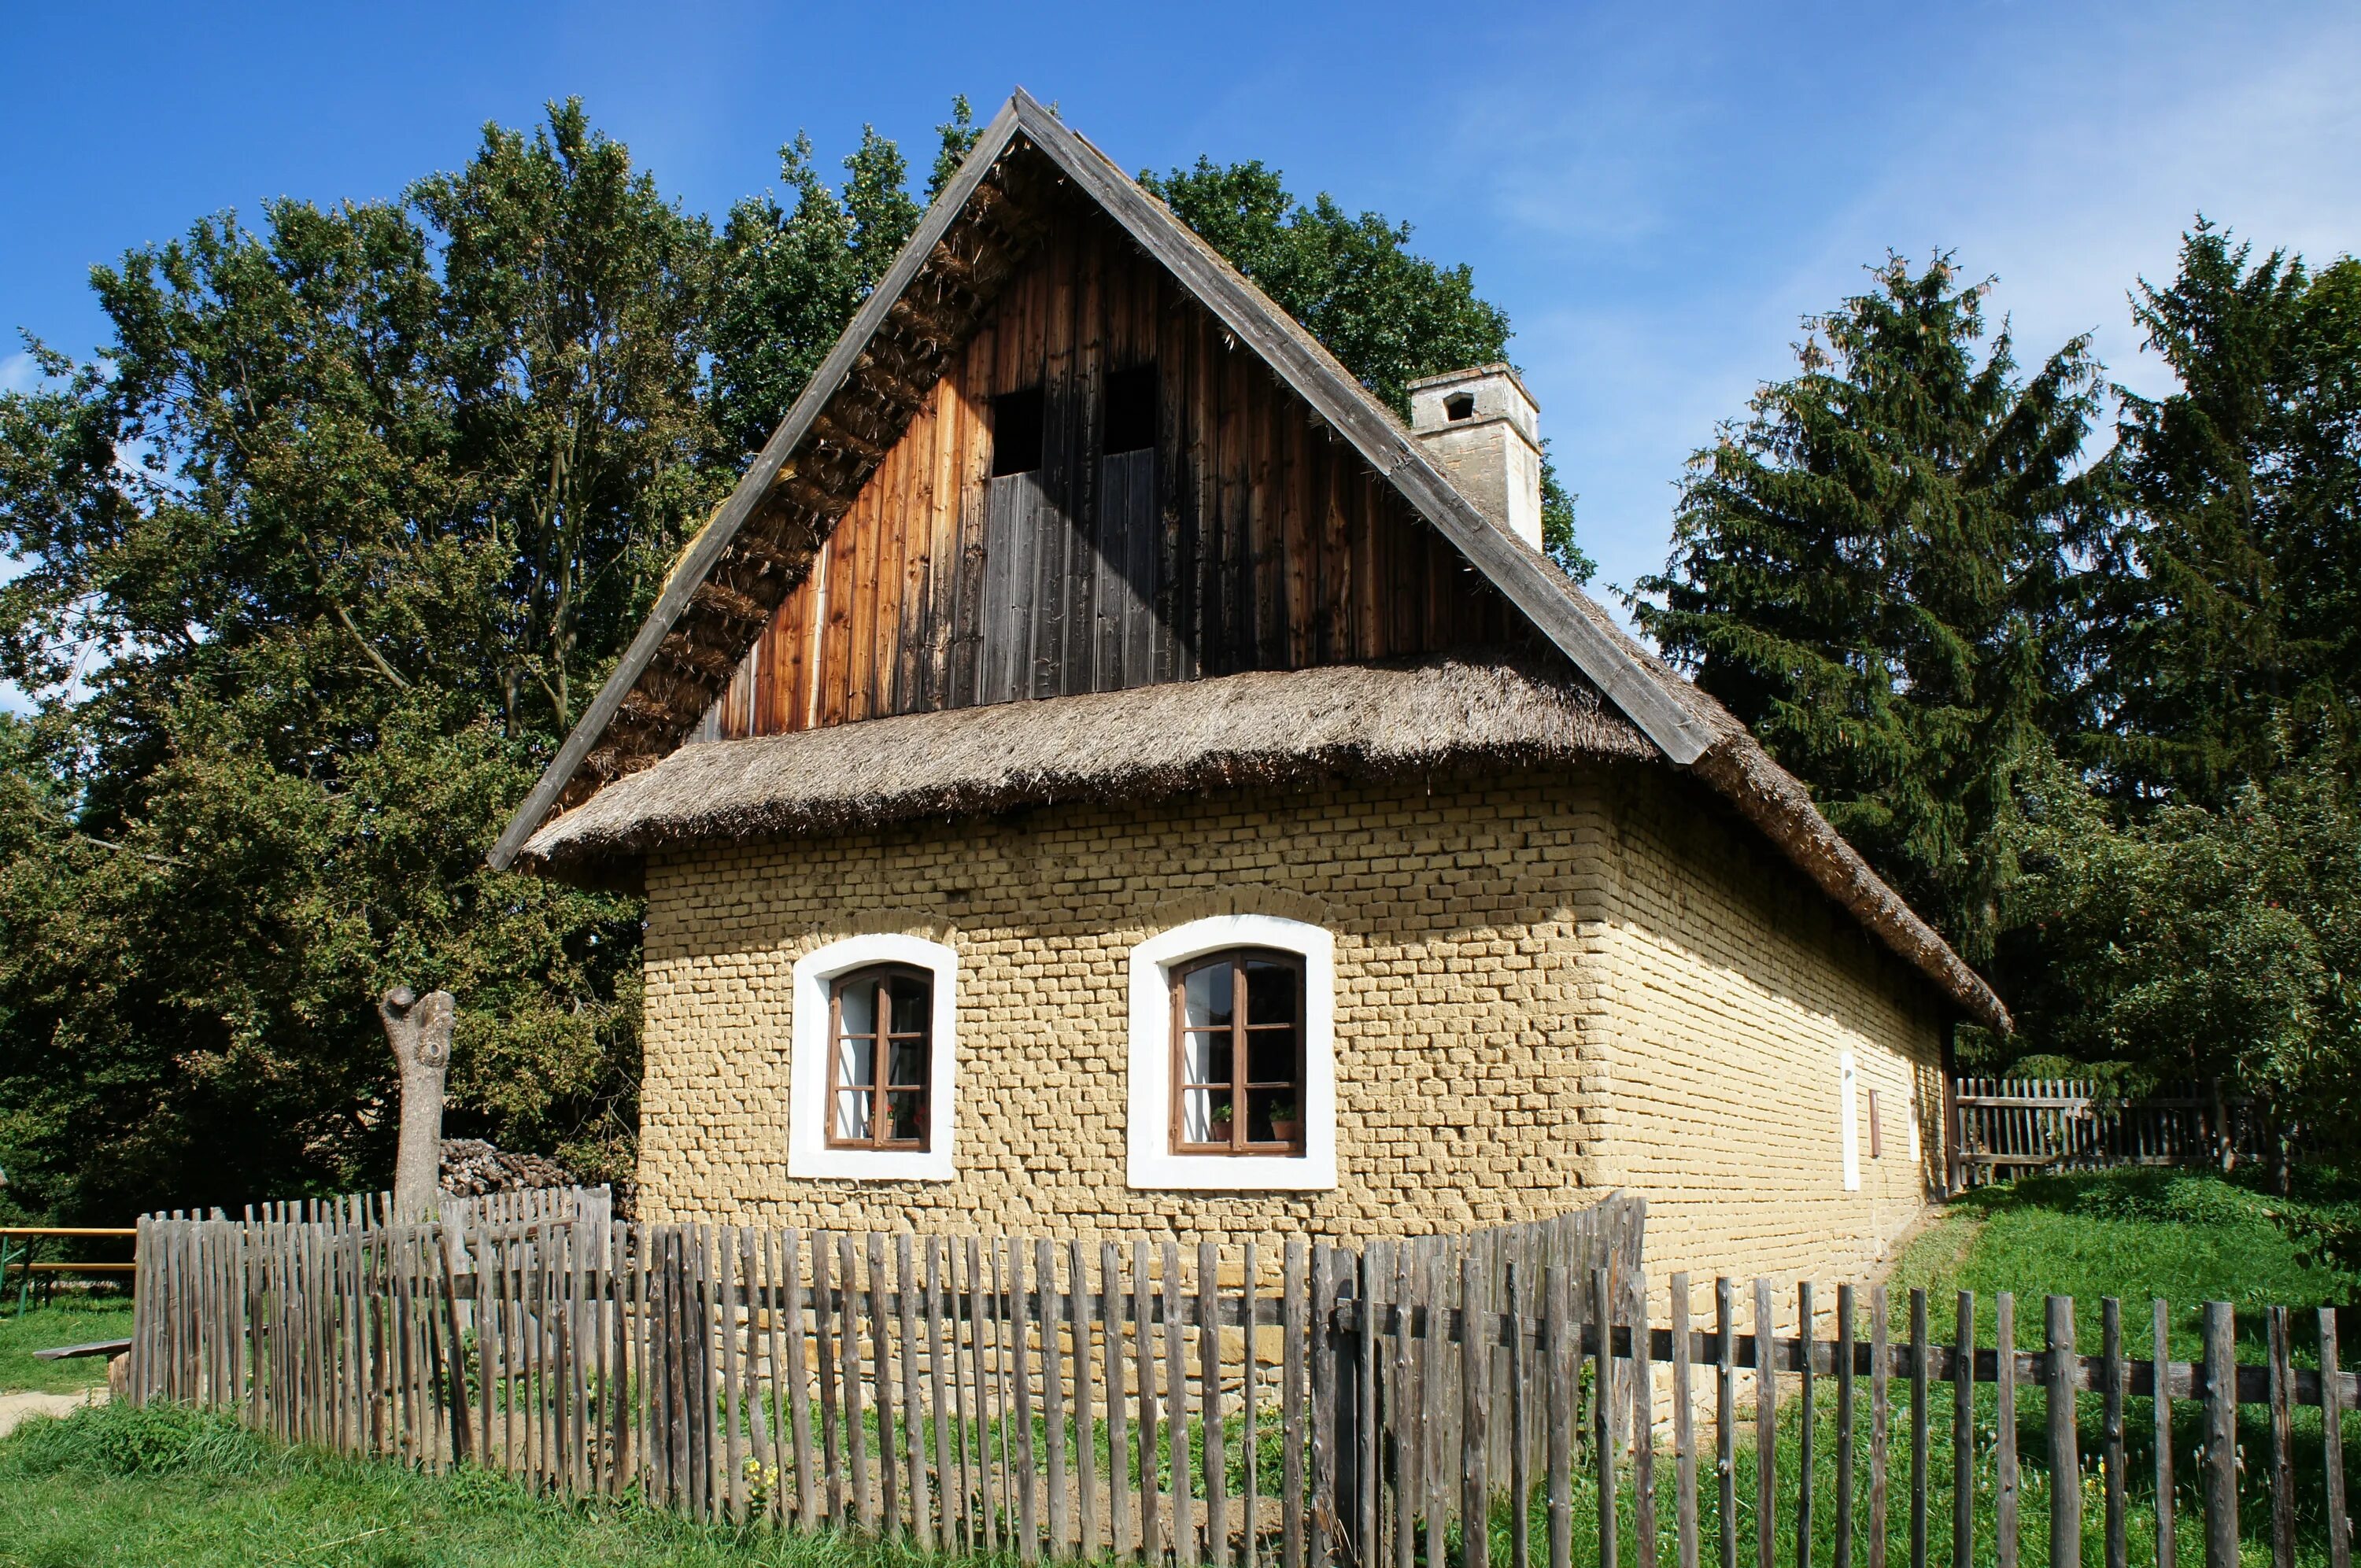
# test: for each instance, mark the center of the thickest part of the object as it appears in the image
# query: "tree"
(2225, 606)
(1389, 316)
(791, 279)
(376, 467)
(1865, 571)
(2198, 942)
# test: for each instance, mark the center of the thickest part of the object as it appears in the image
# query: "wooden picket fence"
(2007, 1127)
(1426, 1401)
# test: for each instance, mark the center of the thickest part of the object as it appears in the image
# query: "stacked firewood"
(472, 1168)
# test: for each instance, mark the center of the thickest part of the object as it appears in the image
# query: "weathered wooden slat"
(1806, 1426)
(1474, 1415)
(2160, 1411)
(1078, 1318)
(1725, 1417)
(914, 1420)
(1119, 1520)
(1020, 1355)
(2331, 1442)
(1250, 1441)
(1766, 1427)
(2221, 1395)
(1560, 1365)
(2283, 1457)
(1152, 1533)
(1182, 1539)
(2111, 1430)
(2007, 1480)
(1880, 1417)
(943, 1340)
(1963, 1434)
(1053, 1397)
(1842, 1555)
(1294, 1396)
(1209, 1389)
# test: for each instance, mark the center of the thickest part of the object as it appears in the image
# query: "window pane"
(1206, 1001)
(853, 1113)
(1205, 1058)
(1270, 992)
(905, 1116)
(856, 1061)
(910, 1063)
(1270, 1055)
(1274, 1115)
(857, 1003)
(910, 1000)
(1205, 1117)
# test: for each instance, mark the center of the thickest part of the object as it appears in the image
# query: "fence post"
(2220, 1437)
(2065, 1464)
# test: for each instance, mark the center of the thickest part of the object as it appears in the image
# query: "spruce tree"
(1865, 570)
(2226, 625)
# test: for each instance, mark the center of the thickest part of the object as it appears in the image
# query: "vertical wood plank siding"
(1246, 538)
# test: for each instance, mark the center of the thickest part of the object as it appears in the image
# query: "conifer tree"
(1866, 571)
(2224, 621)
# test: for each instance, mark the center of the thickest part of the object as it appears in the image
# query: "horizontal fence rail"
(2008, 1127)
(1510, 1395)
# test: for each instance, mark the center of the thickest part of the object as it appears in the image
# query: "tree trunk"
(419, 1029)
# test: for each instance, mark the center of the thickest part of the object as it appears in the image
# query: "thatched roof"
(1267, 728)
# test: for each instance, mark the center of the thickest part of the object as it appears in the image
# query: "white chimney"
(1483, 430)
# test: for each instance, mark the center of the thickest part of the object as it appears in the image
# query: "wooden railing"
(2009, 1127)
(1443, 1401)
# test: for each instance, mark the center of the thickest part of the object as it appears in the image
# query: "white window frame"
(809, 1154)
(1849, 1115)
(1152, 1165)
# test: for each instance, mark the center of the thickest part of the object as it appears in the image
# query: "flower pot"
(1287, 1132)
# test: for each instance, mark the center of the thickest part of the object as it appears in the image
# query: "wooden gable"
(1243, 535)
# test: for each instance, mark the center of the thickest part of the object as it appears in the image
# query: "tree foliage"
(321, 558)
(1864, 571)
(2224, 613)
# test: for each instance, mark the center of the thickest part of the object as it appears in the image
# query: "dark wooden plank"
(1053, 1393)
(1078, 1319)
(2008, 1479)
(1111, 1298)
(2331, 1445)
(1021, 1357)
(914, 1420)
(1249, 1387)
(1963, 1430)
(1294, 1312)
(1561, 1362)
(1806, 1426)
(2059, 1402)
(1152, 1534)
(1208, 1312)
(1402, 1412)
(2160, 1411)
(1766, 1428)
(2282, 1472)
(1182, 1537)
(1685, 1457)
(1605, 1418)
(1517, 1310)
(1643, 1416)
(2115, 1377)
(1842, 1555)
(1725, 1417)
(1475, 1413)
(2221, 1436)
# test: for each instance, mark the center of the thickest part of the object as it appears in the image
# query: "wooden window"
(1130, 410)
(1016, 421)
(1876, 1129)
(881, 1049)
(1237, 1054)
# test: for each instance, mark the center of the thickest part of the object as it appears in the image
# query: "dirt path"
(14, 1407)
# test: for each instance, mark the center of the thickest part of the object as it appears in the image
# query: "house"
(1101, 771)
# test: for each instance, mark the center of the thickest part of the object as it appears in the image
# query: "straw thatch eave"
(1269, 729)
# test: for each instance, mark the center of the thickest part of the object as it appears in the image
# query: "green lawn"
(2186, 1236)
(167, 1486)
(70, 1322)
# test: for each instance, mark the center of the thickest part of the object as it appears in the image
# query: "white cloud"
(18, 373)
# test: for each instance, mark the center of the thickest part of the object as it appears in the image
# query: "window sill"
(870, 1165)
(1232, 1173)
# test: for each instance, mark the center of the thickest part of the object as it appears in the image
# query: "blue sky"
(1656, 193)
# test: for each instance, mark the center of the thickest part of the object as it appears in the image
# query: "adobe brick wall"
(1537, 992)
(1729, 989)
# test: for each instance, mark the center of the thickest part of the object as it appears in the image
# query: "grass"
(68, 1322)
(114, 1484)
(2188, 1237)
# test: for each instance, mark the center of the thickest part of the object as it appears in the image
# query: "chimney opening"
(1459, 406)
(1016, 433)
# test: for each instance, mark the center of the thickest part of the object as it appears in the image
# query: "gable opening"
(1130, 410)
(1016, 421)
(1459, 406)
